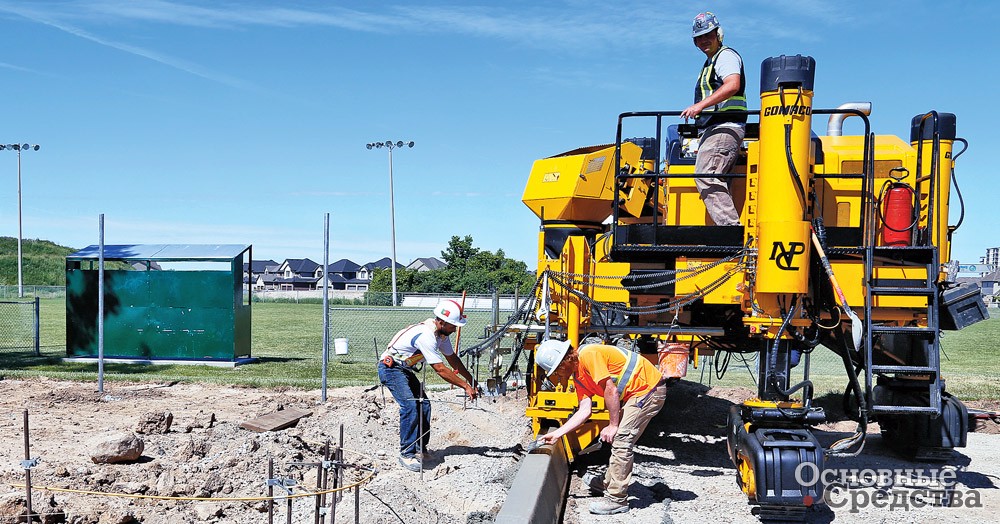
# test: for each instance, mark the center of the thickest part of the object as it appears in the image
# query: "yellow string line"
(198, 499)
(364, 480)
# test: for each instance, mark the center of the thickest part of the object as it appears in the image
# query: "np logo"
(782, 256)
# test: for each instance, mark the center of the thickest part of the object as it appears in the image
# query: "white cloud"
(189, 67)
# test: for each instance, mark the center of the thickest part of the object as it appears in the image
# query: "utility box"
(180, 302)
(962, 306)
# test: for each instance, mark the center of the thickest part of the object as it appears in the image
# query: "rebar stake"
(28, 464)
(319, 485)
(270, 490)
(336, 482)
(340, 460)
(326, 471)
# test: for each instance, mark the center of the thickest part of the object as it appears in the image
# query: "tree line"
(470, 269)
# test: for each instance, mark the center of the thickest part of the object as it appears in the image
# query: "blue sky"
(244, 122)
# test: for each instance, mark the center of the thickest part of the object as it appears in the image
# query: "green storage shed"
(177, 302)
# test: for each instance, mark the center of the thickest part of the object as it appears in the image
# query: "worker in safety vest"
(424, 342)
(721, 87)
(633, 392)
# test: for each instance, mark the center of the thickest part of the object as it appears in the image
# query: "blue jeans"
(406, 389)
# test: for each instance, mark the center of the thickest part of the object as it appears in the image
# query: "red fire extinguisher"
(898, 218)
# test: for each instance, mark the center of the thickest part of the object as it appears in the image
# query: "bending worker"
(633, 394)
(424, 342)
(721, 87)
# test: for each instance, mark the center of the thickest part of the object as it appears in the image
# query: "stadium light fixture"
(388, 144)
(20, 273)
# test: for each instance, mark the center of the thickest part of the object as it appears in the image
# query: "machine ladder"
(919, 371)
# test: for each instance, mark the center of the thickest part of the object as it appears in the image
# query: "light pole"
(19, 148)
(390, 145)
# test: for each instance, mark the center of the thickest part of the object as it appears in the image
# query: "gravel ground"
(474, 453)
(682, 471)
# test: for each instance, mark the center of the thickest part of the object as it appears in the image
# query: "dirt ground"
(682, 472)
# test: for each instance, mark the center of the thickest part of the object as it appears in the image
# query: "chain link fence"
(10, 292)
(359, 334)
(19, 325)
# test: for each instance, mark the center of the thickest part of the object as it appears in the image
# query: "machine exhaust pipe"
(836, 125)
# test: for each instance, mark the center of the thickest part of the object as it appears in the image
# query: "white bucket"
(340, 346)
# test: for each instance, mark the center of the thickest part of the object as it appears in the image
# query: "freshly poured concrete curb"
(536, 494)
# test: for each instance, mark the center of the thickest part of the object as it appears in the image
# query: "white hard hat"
(704, 23)
(549, 354)
(450, 312)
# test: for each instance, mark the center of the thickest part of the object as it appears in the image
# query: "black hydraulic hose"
(806, 385)
(521, 312)
(954, 181)
(794, 172)
(839, 448)
(788, 155)
(520, 341)
(853, 384)
(810, 343)
(772, 358)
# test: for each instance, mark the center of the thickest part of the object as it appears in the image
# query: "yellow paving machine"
(844, 242)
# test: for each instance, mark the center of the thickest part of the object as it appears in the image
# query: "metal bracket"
(284, 484)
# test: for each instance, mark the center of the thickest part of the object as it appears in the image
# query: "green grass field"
(287, 340)
(287, 343)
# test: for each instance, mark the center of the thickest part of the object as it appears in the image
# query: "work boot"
(595, 482)
(409, 462)
(606, 506)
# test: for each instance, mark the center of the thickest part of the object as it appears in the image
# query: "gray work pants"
(718, 149)
(634, 420)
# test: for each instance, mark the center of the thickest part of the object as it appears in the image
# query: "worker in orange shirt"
(633, 392)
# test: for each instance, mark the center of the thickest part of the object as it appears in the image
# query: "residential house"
(298, 274)
(426, 264)
(255, 270)
(343, 276)
(367, 271)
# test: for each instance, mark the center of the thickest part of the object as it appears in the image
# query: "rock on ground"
(115, 449)
(154, 423)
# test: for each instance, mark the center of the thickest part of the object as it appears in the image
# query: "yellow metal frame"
(578, 187)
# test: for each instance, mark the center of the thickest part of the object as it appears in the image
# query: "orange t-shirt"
(600, 361)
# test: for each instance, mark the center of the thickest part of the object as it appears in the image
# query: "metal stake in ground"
(27, 464)
(317, 504)
(288, 505)
(340, 460)
(270, 491)
(326, 472)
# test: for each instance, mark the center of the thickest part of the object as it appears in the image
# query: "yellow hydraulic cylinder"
(785, 169)
(921, 136)
(575, 261)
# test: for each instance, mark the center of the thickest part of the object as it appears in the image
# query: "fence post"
(37, 328)
(496, 307)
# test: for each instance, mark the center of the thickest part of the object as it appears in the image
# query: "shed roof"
(162, 252)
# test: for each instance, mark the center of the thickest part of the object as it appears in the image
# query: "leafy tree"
(469, 268)
(380, 288)
(479, 271)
